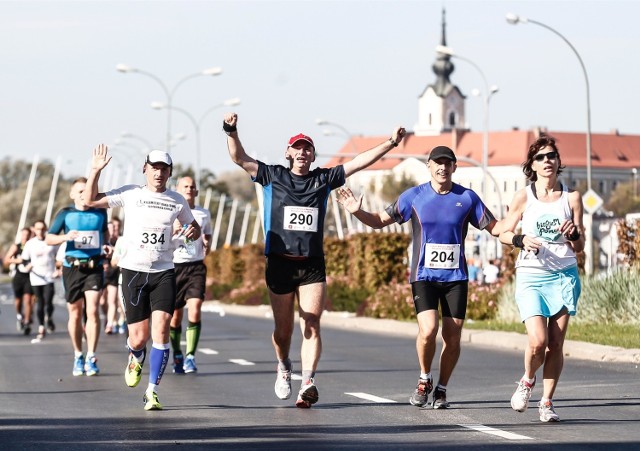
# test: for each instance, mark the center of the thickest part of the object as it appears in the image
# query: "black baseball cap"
(442, 152)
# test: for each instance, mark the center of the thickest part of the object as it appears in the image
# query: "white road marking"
(494, 431)
(296, 377)
(369, 397)
(208, 351)
(241, 362)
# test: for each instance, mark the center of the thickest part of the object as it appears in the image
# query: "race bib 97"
(301, 218)
(442, 256)
(87, 239)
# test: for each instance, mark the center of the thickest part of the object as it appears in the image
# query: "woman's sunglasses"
(550, 156)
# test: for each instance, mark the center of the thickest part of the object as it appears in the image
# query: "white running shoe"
(520, 399)
(547, 413)
(283, 384)
(307, 395)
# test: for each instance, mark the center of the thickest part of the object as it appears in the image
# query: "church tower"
(441, 104)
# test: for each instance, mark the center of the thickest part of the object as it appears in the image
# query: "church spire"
(443, 67)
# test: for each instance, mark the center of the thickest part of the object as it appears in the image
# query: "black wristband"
(228, 128)
(575, 236)
(393, 143)
(518, 241)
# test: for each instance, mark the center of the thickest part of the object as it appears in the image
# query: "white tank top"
(542, 220)
(194, 251)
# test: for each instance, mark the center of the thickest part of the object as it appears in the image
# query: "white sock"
(425, 376)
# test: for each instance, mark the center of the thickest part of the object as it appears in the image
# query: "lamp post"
(212, 71)
(339, 127)
(488, 92)
(514, 19)
(197, 124)
(146, 142)
(634, 173)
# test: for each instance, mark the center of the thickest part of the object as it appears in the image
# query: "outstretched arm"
(90, 196)
(354, 206)
(236, 151)
(368, 157)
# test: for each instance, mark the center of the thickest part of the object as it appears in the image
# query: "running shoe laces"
(178, 363)
(547, 412)
(150, 400)
(283, 384)
(421, 393)
(520, 398)
(440, 399)
(91, 367)
(190, 364)
(78, 366)
(307, 395)
(133, 372)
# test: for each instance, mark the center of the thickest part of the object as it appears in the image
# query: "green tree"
(623, 200)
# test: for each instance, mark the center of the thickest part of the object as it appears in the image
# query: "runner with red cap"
(294, 211)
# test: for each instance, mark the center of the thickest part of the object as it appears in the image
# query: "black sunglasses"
(550, 156)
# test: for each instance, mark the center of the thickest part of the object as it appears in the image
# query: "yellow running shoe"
(133, 372)
(150, 400)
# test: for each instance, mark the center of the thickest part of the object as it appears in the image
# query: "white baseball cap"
(159, 156)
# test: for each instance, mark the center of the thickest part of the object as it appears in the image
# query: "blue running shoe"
(91, 367)
(78, 366)
(190, 364)
(178, 363)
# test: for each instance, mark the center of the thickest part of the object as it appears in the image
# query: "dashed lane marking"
(494, 431)
(241, 362)
(369, 397)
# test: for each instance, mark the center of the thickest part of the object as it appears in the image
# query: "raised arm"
(368, 157)
(236, 151)
(91, 197)
(354, 206)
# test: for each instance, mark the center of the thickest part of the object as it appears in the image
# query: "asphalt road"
(365, 379)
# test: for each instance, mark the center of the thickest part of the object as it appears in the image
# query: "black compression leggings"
(44, 299)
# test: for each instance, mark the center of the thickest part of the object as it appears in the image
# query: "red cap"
(301, 137)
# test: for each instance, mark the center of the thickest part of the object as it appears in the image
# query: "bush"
(393, 301)
(482, 302)
(342, 297)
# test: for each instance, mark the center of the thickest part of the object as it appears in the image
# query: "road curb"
(509, 340)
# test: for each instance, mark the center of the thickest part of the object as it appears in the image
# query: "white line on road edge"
(369, 397)
(493, 431)
(208, 351)
(241, 362)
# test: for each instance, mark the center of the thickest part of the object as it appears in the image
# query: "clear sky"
(361, 64)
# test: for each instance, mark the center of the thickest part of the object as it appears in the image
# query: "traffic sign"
(591, 201)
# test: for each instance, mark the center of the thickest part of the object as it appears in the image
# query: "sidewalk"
(511, 340)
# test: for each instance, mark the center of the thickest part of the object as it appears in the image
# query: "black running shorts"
(451, 296)
(143, 293)
(284, 275)
(77, 280)
(21, 284)
(191, 279)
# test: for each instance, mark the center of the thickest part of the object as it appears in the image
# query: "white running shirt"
(43, 261)
(181, 254)
(148, 229)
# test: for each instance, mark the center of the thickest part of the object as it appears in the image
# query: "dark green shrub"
(343, 297)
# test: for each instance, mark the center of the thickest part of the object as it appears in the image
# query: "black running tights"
(44, 299)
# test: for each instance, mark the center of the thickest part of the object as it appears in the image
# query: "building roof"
(608, 150)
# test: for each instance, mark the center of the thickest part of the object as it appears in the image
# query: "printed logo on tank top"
(547, 226)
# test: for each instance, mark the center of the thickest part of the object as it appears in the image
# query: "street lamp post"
(212, 71)
(634, 173)
(514, 20)
(197, 124)
(146, 142)
(488, 92)
(341, 128)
